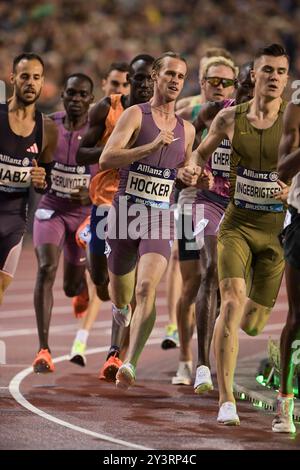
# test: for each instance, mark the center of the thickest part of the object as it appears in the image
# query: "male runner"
(61, 211)
(250, 258)
(288, 167)
(148, 140)
(26, 146)
(103, 118)
(116, 79)
(199, 268)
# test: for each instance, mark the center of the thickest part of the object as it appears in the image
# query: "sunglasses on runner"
(216, 81)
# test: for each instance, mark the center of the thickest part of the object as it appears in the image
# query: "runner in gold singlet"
(250, 258)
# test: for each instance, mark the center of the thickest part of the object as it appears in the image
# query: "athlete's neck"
(75, 123)
(21, 110)
(165, 110)
(264, 108)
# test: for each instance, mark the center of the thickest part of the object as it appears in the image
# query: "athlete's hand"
(163, 138)
(38, 175)
(189, 174)
(283, 194)
(205, 180)
(81, 196)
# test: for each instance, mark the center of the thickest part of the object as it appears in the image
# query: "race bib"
(220, 160)
(66, 178)
(150, 185)
(256, 189)
(15, 174)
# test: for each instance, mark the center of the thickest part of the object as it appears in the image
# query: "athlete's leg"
(206, 303)
(255, 317)
(74, 278)
(233, 297)
(191, 278)
(289, 342)
(151, 269)
(48, 258)
(5, 280)
(174, 282)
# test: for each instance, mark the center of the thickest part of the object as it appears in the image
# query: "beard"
(27, 101)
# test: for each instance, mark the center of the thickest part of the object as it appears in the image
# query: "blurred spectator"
(75, 35)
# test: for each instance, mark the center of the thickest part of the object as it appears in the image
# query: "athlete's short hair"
(216, 61)
(27, 56)
(157, 64)
(275, 50)
(217, 52)
(119, 66)
(81, 76)
(148, 59)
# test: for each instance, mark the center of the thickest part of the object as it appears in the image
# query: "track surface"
(72, 409)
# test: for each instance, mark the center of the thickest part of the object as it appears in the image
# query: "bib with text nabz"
(66, 178)
(220, 159)
(150, 185)
(255, 189)
(15, 174)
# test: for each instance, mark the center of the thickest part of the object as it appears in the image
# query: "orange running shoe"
(43, 362)
(80, 303)
(110, 369)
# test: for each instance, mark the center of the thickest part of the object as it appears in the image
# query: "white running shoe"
(122, 316)
(125, 377)
(203, 382)
(228, 415)
(283, 421)
(184, 373)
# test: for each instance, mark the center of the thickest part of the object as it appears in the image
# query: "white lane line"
(14, 388)
(64, 328)
(62, 309)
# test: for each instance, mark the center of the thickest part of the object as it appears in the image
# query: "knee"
(190, 289)
(72, 289)
(230, 312)
(144, 289)
(47, 271)
(251, 330)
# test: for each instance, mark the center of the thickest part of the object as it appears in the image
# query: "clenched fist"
(38, 175)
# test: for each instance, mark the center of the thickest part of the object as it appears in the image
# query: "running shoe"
(125, 377)
(283, 421)
(228, 415)
(122, 316)
(77, 354)
(110, 368)
(203, 382)
(171, 339)
(184, 373)
(80, 303)
(43, 362)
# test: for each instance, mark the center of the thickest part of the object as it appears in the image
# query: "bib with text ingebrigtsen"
(255, 189)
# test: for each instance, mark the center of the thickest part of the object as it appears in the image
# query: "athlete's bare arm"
(89, 150)
(221, 127)
(41, 169)
(117, 152)
(206, 114)
(289, 148)
(50, 140)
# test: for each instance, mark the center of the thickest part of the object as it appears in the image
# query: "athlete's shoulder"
(189, 128)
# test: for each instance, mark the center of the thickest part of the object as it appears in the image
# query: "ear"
(62, 95)
(154, 75)
(252, 76)
(12, 78)
(92, 98)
